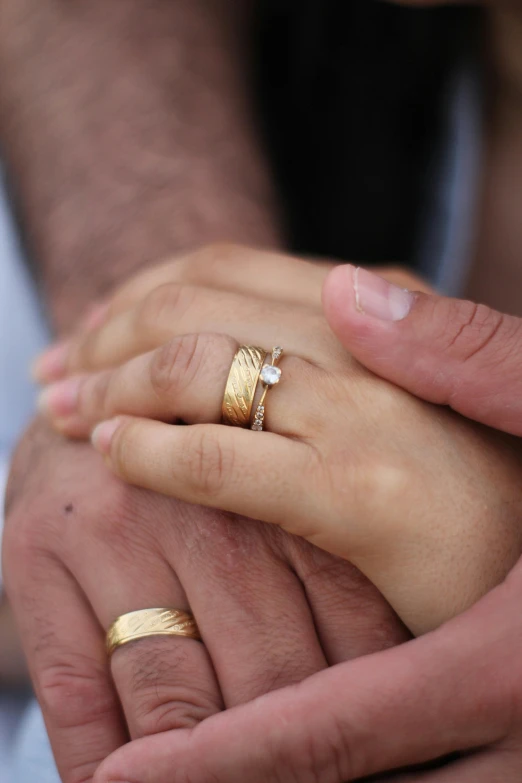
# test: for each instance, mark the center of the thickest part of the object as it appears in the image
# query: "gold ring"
(270, 375)
(241, 386)
(150, 622)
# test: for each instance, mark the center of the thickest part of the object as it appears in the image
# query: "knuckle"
(175, 365)
(210, 461)
(376, 486)
(329, 754)
(211, 258)
(156, 311)
(74, 693)
(94, 395)
(117, 522)
(28, 540)
(164, 695)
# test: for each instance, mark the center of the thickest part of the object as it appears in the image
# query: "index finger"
(236, 269)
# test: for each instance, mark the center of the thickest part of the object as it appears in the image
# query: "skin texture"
(140, 165)
(65, 230)
(456, 689)
(397, 487)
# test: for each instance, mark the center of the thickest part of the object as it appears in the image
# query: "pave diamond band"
(270, 375)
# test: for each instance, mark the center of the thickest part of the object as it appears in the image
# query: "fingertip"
(102, 436)
(338, 290)
(72, 427)
(50, 365)
(360, 305)
(341, 303)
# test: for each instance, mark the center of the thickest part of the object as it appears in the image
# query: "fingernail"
(103, 433)
(60, 399)
(51, 364)
(377, 297)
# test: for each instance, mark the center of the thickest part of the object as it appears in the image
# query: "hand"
(81, 548)
(447, 351)
(354, 443)
(457, 689)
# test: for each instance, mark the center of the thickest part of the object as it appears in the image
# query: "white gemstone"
(270, 375)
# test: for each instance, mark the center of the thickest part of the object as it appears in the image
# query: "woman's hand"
(353, 464)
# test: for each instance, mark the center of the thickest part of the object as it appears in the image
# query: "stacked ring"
(270, 375)
(241, 386)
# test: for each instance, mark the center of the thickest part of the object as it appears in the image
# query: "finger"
(251, 607)
(221, 467)
(183, 380)
(404, 278)
(446, 351)
(342, 598)
(174, 310)
(163, 682)
(65, 649)
(245, 270)
(235, 269)
(405, 706)
(264, 276)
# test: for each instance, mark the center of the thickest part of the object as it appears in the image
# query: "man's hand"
(458, 689)
(446, 351)
(455, 689)
(82, 548)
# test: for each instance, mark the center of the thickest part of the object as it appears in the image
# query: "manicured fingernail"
(60, 399)
(103, 434)
(51, 364)
(377, 297)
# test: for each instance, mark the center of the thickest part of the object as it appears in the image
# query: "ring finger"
(163, 682)
(183, 380)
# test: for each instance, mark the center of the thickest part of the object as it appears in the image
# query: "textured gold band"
(241, 386)
(151, 622)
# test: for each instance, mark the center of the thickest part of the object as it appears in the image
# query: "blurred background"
(390, 134)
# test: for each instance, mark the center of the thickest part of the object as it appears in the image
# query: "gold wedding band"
(241, 386)
(270, 375)
(143, 623)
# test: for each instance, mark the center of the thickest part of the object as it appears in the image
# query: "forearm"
(128, 135)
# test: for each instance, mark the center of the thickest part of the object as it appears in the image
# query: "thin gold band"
(270, 376)
(143, 623)
(241, 386)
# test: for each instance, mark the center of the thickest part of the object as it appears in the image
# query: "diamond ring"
(270, 375)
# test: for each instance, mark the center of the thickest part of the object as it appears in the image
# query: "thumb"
(408, 705)
(446, 351)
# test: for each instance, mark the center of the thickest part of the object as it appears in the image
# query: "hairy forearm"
(128, 134)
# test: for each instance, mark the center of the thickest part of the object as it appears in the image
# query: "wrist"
(114, 162)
